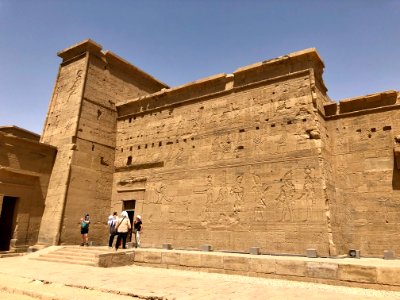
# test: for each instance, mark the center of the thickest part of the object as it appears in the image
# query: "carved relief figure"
(286, 195)
(209, 192)
(161, 195)
(75, 84)
(258, 142)
(226, 144)
(260, 189)
(307, 197)
(238, 192)
(179, 159)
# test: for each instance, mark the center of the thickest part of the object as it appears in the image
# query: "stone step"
(84, 249)
(60, 260)
(74, 253)
(69, 257)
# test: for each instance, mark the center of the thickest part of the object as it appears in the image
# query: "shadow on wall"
(395, 177)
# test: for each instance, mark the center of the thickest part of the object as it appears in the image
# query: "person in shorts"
(85, 221)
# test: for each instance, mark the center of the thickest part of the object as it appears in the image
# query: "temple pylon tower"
(81, 123)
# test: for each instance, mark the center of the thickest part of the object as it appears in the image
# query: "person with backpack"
(123, 226)
(112, 225)
(85, 221)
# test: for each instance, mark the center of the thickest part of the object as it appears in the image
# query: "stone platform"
(365, 272)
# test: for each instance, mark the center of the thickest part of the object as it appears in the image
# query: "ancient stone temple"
(257, 158)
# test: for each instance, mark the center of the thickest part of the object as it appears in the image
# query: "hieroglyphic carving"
(223, 147)
(286, 196)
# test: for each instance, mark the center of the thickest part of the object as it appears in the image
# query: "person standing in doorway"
(137, 224)
(85, 221)
(123, 226)
(112, 226)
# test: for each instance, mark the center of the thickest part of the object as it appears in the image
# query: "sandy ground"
(25, 278)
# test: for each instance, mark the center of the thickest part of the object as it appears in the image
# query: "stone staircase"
(88, 256)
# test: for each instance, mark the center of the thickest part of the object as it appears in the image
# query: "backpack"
(113, 227)
(84, 225)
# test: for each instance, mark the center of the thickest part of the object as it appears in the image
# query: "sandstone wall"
(81, 122)
(25, 167)
(365, 209)
(233, 161)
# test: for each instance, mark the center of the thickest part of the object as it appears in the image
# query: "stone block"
(311, 253)
(190, 259)
(212, 261)
(290, 267)
(389, 254)
(205, 248)
(389, 276)
(129, 245)
(254, 251)
(170, 258)
(236, 263)
(151, 257)
(262, 265)
(353, 253)
(322, 270)
(357, 273)
(167, 246)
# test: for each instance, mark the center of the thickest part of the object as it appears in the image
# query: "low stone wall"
(366, 272)
(115, 259)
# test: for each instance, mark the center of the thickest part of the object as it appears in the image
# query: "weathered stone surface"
(312, 253)
(389, 254)
(152, 257)
(357, 273)
(212, 261)
(389, 276)
(190, 260)
(25, 169)
(261, 265)
(291, 267)
(254, 250)
(170, 258)
(322, 270)
(236, 263)
(257, 158)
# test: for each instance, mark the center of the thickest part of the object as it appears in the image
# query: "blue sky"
(179, 41)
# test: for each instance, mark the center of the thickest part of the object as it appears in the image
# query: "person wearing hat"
(137, 226)
(123, 226)
(112, 226)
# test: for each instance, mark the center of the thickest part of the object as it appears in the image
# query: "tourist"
(85, 221)
(124, 225)
(112, 225)
(137, 224)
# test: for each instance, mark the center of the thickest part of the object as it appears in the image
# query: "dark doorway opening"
(129, 207)
(7, 222)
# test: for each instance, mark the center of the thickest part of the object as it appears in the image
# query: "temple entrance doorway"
(7, 221)
(129, 207)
